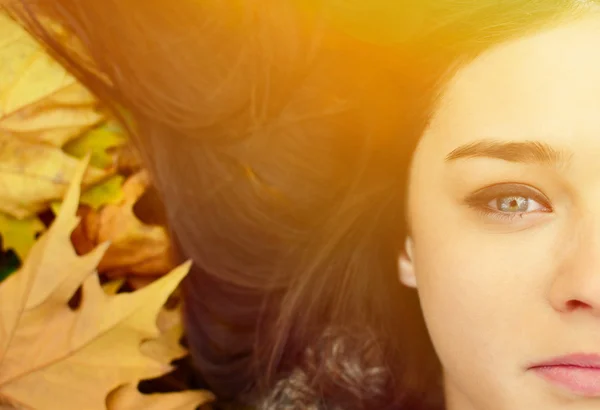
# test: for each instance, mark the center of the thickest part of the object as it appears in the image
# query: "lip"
(578, 373)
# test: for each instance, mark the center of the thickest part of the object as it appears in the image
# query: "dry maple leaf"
(129, 398)
(39, 100)
(136, 248)
(166, 347)
(54, 357)
(32, 175)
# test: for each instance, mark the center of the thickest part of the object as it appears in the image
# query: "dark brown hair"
(278, 135)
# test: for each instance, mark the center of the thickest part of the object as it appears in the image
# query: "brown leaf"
(136, 248)
(127, 159)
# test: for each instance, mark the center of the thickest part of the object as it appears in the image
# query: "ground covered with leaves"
(89, 308)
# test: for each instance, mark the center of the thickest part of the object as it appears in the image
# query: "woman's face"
(504, 204)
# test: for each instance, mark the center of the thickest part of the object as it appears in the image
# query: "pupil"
(513, 204)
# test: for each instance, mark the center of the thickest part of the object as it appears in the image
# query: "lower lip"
(583, 381)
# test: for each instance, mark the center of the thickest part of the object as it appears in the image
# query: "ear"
(406, 266)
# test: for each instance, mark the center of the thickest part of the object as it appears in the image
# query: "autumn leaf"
(112, 287)
(39, 100)
(52, 356)
(127, 159)
(19, 234)
(129, 398)
(109, 192)
(97, 142)
(41, 108)
(167, 346)
(136, 248)
(33, 175)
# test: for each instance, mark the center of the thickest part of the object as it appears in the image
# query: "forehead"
(545, 86)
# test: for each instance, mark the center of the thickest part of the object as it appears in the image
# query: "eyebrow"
(522, 152)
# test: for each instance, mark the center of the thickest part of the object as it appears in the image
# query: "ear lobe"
(406, 266)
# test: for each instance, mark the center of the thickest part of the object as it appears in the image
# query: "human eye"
(508, 200)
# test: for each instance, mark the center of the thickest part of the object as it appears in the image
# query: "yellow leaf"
(19, 234)
(55, 207)
(167, 346)
(168, 318)
(33, 175)
(96, 142)
(108, 192)
(50, 353)
(129, 398)
(112, 287)
(39, 100)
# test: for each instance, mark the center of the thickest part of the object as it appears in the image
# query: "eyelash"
(480, 200)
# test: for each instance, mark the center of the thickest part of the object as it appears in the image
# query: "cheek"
(477, 287)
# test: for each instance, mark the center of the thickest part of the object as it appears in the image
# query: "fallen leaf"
(19, 234)
(129, 398)
(138, 282)
(84, 235)
(168, 318)
(54, 357)
(112, 287)
(127, 159)
(33, 175)
(97, 143)
(109, 192)
(166, 347)
(39, 100)
(136, 248)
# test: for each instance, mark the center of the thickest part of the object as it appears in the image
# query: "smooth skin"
(505, 239)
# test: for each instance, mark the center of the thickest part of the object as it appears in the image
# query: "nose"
(576, 285)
